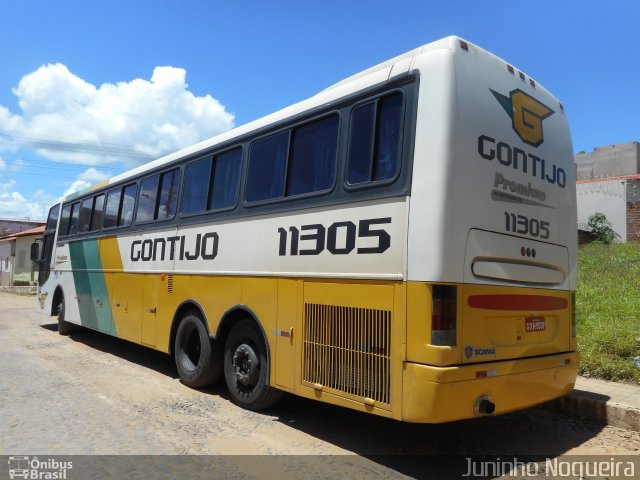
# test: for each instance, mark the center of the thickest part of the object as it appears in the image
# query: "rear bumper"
(444, 394)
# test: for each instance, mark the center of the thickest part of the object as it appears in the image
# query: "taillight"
(443, 315)
(573, 315)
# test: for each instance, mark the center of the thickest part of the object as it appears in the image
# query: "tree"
(601, 228)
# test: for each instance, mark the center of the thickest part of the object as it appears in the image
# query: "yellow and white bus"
(402, 243)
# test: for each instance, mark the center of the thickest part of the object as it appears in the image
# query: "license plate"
(534, 324)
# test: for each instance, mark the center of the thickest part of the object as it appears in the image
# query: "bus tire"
(64, 328)
(197, 356)
(245, 368)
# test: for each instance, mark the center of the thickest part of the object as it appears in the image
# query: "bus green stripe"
(91, 287)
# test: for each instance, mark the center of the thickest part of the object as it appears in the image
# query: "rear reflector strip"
(517, 302)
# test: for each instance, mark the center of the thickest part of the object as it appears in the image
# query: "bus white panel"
(364, 240)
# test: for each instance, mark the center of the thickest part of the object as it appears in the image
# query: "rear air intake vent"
(170, 283)
(347, 351)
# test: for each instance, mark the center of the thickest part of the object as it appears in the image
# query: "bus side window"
(75, 214)
(170, 182)
(112, 208)
(196, 186)
(64, 221)
(128, 202)
(85, 215)
(226, 179)
(361, 145)
(267, 164)
(374, 144)
(313, 156)
(96, 215)
(147, 199)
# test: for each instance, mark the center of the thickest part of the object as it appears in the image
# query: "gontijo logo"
(526, 114)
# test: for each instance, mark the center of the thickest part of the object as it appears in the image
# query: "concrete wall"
(608, 197)
(609, 161)
(618, 199)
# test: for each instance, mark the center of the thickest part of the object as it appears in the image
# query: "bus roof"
(376, 75)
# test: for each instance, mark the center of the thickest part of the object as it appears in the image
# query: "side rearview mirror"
(35, 251)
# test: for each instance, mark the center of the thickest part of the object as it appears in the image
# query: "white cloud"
(7, 185)
(67, 119)
(15, 205)
(85, 180)
(16, 166)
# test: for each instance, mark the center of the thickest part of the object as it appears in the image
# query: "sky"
(90, 89)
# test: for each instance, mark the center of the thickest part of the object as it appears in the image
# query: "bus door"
(43, 256)
(149, 325)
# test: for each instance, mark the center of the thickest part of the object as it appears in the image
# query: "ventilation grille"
(170, 283)
(348, 350)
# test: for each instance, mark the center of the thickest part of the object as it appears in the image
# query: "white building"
(16, 266)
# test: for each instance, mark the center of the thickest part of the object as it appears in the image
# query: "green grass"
(608, 311)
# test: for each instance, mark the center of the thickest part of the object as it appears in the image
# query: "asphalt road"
(91, 394)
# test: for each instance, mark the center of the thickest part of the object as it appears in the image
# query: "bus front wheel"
(197, 356)
(245, 368)
(64, 328)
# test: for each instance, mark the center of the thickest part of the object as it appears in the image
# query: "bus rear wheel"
(197, 356)
(245, 368)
